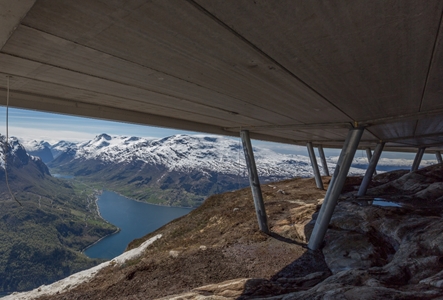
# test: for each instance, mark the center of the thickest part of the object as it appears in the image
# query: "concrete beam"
(314, 164)
(335, 187)
(371, 169)
(293, 126)
(403, 117)
(254, 182)
(11, 14)
(323, 160)
(96, 111)
(366, 123)
(438, 156)
(417, 159)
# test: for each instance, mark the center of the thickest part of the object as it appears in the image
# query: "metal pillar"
(254, 182)
(371, 168)
(438, 156)
(417, 159)
(323, 160)
(314, 164)
(335, 187)
(369, 155)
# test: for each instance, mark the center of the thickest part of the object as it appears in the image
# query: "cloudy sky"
(51, 127)
(27, 124)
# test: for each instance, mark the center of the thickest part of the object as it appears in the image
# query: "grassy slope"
(40, 242)
(150, 183)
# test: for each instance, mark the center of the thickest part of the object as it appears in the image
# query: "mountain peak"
(104, 136)
(18, 157)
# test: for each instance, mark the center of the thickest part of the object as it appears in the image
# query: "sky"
(35, 125)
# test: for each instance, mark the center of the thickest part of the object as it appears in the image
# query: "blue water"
(384, 202)
(135, 219)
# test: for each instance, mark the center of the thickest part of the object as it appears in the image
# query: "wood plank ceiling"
(289, 71)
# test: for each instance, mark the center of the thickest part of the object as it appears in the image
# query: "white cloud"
(49, 135)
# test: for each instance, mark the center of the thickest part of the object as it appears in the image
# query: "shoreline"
(98, 193)
(191, 207)
(98, 211)
(89, 246)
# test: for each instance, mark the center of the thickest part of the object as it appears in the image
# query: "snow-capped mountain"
(41, 149)
(182, 166)
(397, 162)
(24, 170)
(45, 150)
(185, 153)
(60, 147)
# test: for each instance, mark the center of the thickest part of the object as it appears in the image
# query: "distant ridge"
(177, 170)
(182, 169)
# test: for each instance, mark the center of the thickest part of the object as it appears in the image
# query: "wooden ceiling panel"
(370, 60)
(289, 71)
(175, 38)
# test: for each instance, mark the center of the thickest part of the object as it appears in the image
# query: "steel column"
(335, 187)
(438, 156)
(371, 168)
(254, 182)
(314, 164)
(323, 160)
(417, 159)
(369, 155)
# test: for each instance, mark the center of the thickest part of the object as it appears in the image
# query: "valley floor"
(217, 252)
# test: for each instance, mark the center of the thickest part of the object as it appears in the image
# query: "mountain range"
(179, 170)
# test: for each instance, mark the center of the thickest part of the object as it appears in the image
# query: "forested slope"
(41, 239)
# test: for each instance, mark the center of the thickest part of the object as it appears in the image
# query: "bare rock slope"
(373, 250)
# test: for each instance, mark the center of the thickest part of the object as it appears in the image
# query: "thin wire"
(239, 168)
(7, 142)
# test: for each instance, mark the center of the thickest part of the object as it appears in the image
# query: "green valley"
(41, 240)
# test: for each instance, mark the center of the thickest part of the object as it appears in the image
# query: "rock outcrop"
(388, 249)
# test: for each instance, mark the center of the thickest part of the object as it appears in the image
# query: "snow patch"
(81, 277)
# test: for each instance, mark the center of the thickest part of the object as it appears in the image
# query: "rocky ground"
(370, 251)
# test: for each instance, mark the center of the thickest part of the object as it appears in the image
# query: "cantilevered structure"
(295, 72)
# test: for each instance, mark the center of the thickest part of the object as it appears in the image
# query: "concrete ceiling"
(289, 71)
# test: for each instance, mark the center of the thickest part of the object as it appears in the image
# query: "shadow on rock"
(371, 251)
(302, 274)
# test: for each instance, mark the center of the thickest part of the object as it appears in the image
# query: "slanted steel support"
(417, 159)
(314, 164)
(254, 182)
(335, 187)
(438, 156)
(369, 155)
(370, 170)
(323, 160)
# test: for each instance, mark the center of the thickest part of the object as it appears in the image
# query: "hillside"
(373, 250)
(179, 170)
(40, 240)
